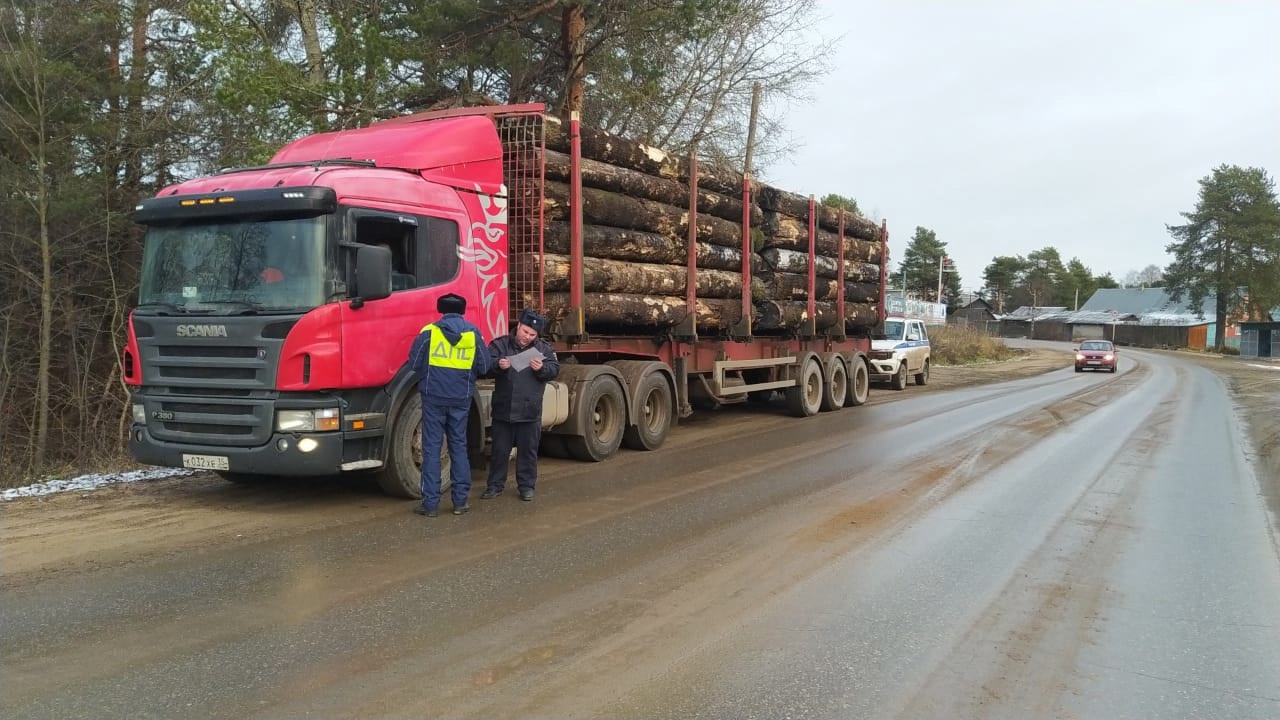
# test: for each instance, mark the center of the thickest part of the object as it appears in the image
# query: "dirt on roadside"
(1026, 364)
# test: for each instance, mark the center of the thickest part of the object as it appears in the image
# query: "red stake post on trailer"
(812, 319)
(691, 292)
(884, 267)
(575, 323)
(688, 328)
(743, 330)
(840, 247)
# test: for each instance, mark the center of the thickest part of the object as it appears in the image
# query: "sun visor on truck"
(281, 201)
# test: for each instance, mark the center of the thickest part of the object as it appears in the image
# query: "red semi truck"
(277, 305)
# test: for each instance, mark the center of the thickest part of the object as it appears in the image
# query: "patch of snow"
(1265, 367)
(90, 482)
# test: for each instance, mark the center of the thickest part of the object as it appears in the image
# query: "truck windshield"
(893, 329)
(234, 267)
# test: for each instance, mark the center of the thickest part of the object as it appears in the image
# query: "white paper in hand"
(520, 361)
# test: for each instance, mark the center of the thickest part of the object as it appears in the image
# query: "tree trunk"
(862, 292)
(573, 29)
(772, 199)
(614, 276)
(634, 183)
(600, 207)
(629, 314)
(309, 27)
(632, 314)
(132, 125)
(40, 440)
(613, 243)
(601, 146)
(784, 231)
(793, 261)
(789, 286)
(774, 315)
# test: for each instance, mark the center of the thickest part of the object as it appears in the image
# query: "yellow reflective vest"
(442, 353)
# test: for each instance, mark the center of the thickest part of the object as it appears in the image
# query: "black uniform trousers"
(525, 437)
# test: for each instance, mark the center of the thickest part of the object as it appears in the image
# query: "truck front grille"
(210, 390)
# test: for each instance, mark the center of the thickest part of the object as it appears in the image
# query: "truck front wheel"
(401, 476)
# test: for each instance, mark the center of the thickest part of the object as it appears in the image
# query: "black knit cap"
(451, 304)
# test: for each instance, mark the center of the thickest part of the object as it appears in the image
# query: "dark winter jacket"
(447, 386)
(517, 396)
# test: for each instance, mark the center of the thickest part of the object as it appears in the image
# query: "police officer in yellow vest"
(448, 355)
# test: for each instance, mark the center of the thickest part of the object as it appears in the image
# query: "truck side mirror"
(373, 274)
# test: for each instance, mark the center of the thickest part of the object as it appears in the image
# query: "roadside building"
(1261, 338)
(1149, 317)
(976, 314)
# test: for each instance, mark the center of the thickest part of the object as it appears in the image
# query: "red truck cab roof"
(461, 152)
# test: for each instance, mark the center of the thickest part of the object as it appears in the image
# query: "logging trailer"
(277, 304)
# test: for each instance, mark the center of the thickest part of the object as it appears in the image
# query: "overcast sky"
(1006, 127)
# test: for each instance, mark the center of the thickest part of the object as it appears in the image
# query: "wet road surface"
(1075, 546)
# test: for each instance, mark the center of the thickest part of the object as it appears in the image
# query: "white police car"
(904, 350)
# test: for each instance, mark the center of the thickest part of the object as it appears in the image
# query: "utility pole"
(1033, 312)
(942, 260)
(944, 266)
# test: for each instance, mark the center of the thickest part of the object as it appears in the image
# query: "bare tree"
(1150, 276)
(705, 89)
(26, 108)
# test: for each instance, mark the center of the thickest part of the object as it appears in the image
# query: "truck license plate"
(205, 462)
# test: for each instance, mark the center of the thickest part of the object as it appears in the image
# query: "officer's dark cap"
(451, 303)
(534, 320)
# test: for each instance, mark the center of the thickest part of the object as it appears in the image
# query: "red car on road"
(1096, 355)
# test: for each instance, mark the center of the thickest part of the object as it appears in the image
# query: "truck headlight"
(139, 414)
(294, 421)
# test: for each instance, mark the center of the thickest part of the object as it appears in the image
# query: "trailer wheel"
(606, 418)
(402, 475)
(652, 413)
(899, 381)
(837, 385)
(859, 383)
(805, 398)
(922, 377)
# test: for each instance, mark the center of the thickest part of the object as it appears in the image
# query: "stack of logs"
(635, 204)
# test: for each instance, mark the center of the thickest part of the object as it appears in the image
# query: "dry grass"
(960, 345)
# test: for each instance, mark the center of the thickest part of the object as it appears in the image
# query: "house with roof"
(1150, 317)
(1035, 321)
(1145, 317)
(977, 312)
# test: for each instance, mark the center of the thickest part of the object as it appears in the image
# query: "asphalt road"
(1064, 546)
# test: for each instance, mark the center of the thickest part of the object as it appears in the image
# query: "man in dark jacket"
(517, 403)
(448, 355)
